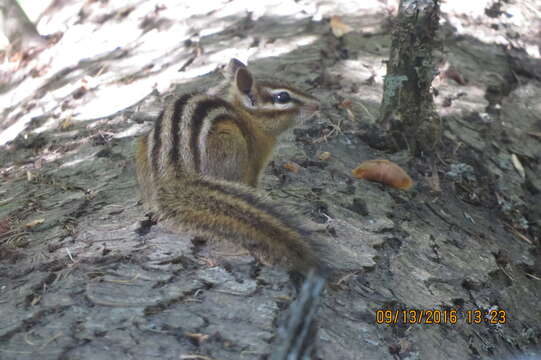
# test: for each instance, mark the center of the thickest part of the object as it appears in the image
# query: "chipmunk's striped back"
(182, 129)
(199, 165)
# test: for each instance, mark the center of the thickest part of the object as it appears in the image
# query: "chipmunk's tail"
(223, 210)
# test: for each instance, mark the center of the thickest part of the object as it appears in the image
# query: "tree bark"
(16, 26)
(407, 108)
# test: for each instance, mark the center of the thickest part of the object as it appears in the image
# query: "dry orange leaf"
(291, 166)
(338, 28)
(385, 172)
(346, 104)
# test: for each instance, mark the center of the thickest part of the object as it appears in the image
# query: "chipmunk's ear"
(244, 80)
(235, 64)
(231, 68)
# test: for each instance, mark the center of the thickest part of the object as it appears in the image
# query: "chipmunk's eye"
(281, 98)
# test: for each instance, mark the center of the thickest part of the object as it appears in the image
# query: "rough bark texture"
(407, 108)
(84, 275)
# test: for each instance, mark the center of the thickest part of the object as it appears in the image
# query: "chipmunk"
(199, 166)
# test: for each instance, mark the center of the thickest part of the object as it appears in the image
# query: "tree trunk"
(16, 26)
(407, 108)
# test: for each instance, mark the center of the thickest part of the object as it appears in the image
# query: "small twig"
(346, 278)
(533, 276)
(336, 128)
(457, 147)
(518, 233)
(228, 254)
(130, 281)
(50, 340)
(505, 272)
(27, 340)
(233, 292)
(368, 112)
(195, 357)
(69, 254)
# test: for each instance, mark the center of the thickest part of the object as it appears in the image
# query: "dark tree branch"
(299, 334)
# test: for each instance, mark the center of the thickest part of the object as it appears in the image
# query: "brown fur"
(202, 177)
(223, 210)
